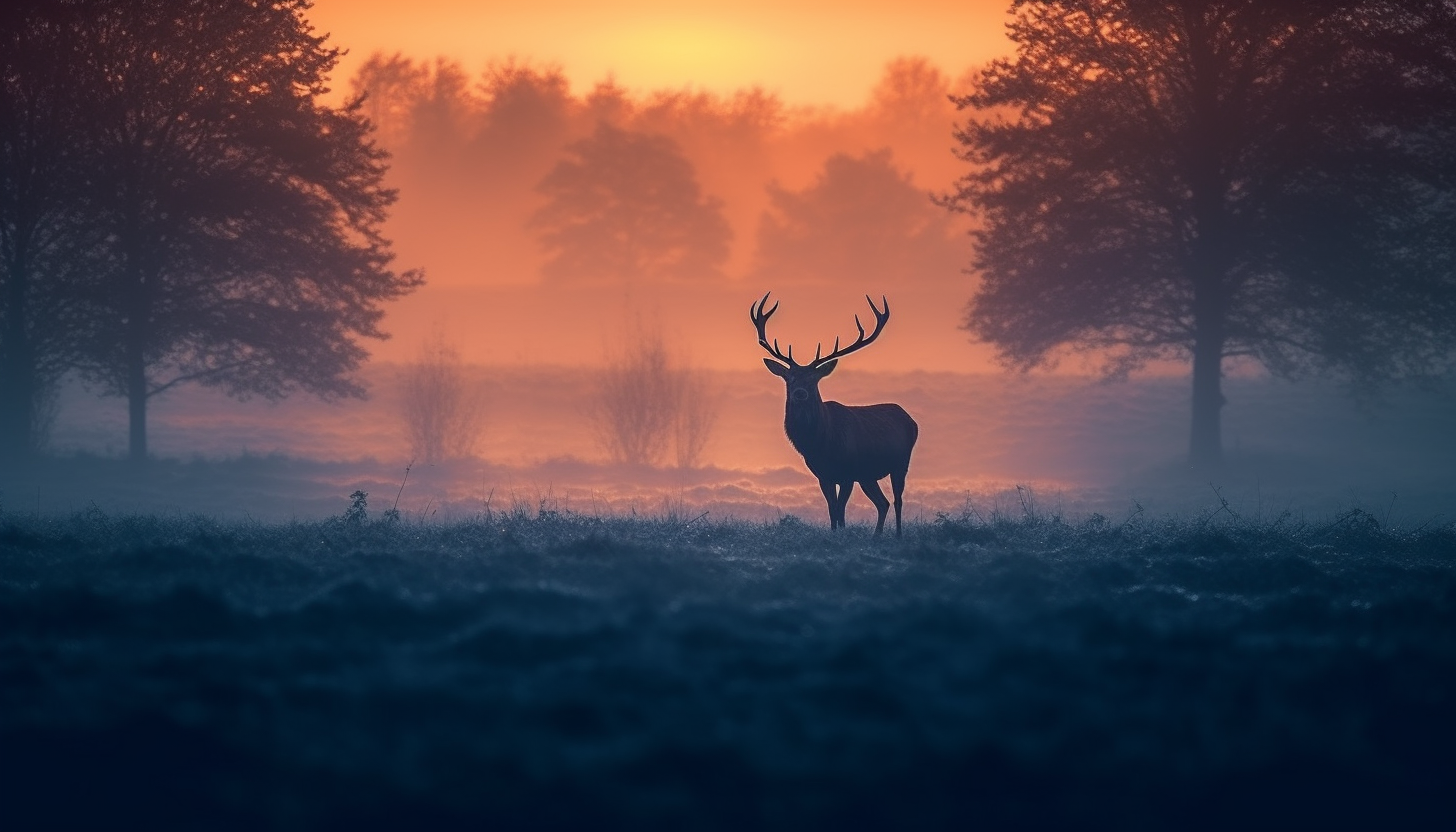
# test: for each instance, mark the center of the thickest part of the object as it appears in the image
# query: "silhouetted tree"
(1207, 179)
(862, 222)
(46, 242)
(526, 113)
(627, 206)
(243, 214)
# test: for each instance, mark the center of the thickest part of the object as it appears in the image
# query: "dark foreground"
(558, 671)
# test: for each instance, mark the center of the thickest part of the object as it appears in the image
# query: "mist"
(1069, 444)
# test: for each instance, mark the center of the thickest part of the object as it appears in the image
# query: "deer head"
(802, 380)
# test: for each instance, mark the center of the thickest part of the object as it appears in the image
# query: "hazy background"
(478, 102)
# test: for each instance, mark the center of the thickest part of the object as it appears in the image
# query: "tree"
(526, 117)
(910, 109)
(441, 411)
(243, 214)
(695, 418)
(45, 243)
(394, 88)
(1208, 180)
(862, 222)
(626, 206)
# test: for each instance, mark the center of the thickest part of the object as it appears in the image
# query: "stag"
(842, 444)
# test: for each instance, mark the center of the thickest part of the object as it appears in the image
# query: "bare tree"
(646, 406)
(696, 417)
(442, 412)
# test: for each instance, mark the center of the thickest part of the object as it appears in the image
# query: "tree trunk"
(135, 368)
(1205, 448)
(17, 402)
(18, 387)
(137, 303)
(1210, 258)
(1210, 336)
(136, 405)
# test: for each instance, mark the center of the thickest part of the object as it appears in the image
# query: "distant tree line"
(177, 206)
(512, 172)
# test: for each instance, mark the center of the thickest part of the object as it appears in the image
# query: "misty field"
(544, 669)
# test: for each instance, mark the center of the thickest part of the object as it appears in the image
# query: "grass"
(538, 668)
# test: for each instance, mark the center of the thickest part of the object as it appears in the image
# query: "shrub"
(645, 406)
(441, 410)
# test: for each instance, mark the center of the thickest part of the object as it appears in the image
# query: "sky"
(809, 53)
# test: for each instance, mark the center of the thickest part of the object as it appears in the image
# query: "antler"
(760, 320)
(882, 317)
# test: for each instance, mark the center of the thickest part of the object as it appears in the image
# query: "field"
(535, 668)
(1075, 631)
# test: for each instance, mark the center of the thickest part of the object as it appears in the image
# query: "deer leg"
(897, 485)
(872, 490)
(845, 489)
(832, 499)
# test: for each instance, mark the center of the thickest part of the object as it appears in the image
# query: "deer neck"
(804, 423)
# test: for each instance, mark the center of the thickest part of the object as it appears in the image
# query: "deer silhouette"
(842, 444)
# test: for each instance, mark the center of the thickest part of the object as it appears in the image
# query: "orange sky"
(810, 52)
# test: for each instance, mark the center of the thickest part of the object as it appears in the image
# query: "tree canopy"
(627, 206)
(240, 214)
(1212, 179)
(46, 245)
(861, 222)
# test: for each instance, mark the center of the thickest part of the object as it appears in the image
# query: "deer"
(841, 444)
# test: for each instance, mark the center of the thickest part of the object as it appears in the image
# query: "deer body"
(849, 444)
(841, 444)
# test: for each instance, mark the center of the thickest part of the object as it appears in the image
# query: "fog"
(990, 444)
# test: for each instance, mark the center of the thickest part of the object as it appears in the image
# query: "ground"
(536, 668)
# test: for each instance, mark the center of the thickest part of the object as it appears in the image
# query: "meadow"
(535, 668)
(1074, 632)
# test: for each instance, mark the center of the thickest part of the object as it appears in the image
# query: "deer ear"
(776, 368)
(828, 367)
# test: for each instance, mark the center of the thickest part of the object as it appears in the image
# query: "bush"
(645, 407)
(696, 416)
(441, 411)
